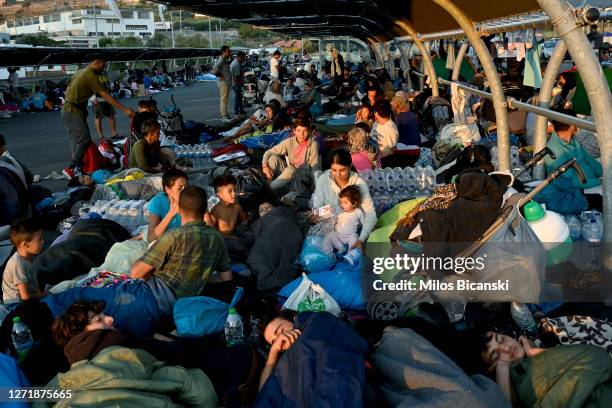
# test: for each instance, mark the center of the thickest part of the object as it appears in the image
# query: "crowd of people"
(194, 250)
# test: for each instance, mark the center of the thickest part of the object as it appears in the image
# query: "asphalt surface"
(40, 142)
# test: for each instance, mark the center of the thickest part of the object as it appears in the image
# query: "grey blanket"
(415, 374)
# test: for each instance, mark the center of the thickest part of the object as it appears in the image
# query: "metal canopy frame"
(421, 22)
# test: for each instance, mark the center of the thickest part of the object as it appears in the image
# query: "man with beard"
(83, 85)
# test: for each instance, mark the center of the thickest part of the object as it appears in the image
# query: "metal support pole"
(514, 104)
(459, 61)
(597, 89)
(405, 63)
(499, 102)
(374, 49)
(426, 56)
(96, 23)
(544, 99)
(209, 33)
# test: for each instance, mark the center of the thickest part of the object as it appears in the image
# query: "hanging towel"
(450, 58)
(532, 75)
(459, 104)
(335, 64)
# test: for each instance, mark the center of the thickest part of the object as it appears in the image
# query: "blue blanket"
(265, 141)
(131, 305)
(325, 367)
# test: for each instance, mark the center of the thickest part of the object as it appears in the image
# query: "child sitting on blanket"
(347, 222)
(226, 215)
(19, 281)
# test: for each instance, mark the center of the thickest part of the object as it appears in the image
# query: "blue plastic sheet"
(265, 141)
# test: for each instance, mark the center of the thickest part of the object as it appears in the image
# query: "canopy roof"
(34, 56)
(358, 18)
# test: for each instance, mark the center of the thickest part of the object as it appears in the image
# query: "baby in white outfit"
(347, 222)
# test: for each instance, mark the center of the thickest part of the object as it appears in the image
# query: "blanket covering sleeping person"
(325, 367)
(120, 376)
(413, 373)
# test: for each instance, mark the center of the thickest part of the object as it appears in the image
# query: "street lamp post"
(96, 23)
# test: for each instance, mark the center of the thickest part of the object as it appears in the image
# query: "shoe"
(226, 119)
(77, 171)
(68, 173)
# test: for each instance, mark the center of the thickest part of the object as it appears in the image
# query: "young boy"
(227, 214)
(19, 283)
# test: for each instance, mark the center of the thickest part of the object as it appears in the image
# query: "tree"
(39, 40)
(128, 42)
(159, 40)
(105, 42)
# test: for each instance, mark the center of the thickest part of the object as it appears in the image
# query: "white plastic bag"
(310, 297)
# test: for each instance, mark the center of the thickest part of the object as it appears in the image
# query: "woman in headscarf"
(365, 155)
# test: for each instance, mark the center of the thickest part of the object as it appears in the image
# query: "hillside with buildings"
(10, 9)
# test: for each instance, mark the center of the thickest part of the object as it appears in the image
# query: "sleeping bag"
(86, 247)
(325, 367)
(411, 372)
(132, 305)
(277, 244)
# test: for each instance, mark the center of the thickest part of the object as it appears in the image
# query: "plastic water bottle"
(22, 338)
(410, 180)
(430, 178)
(592, 230)
(421, 182)
(234, 332)
(574, 226)
(522, 317)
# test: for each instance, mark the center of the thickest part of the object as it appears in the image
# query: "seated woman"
(259, 122)
(300, 151)
(311, 100)
(146, 153)
(332, 181)
(364, 154)
(406, 121)
(164, 207)
(274, 92)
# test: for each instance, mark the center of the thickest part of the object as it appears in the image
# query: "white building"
(78, 28)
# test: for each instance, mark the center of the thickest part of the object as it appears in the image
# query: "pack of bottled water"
(390, 186)
(131, 214)
(199, 155)
(515, 160)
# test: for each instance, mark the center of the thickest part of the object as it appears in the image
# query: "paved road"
(41, 143)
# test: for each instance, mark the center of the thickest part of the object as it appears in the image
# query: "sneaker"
(68, 173)
(77, 171)
(226, 119)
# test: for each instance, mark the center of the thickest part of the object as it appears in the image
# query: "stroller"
(172, 123)
(513, 253)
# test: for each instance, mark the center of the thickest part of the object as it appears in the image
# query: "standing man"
(237, 82)
(104, 109)
(224, 80)
(83, 85)
(274, 65)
